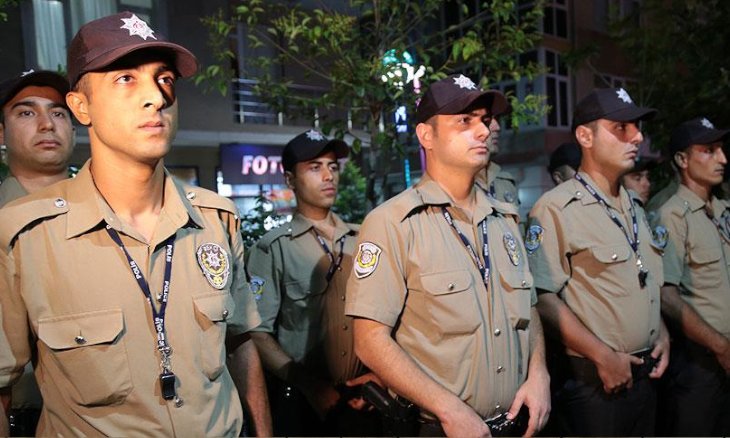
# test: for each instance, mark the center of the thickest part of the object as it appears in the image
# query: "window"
(49, 25)
(556, 89)
(605, 11)
(555, 19)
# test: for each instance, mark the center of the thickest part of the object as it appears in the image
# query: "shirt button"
(59, 202)
(451, 286)
(190, 195)
(344, 326)
(498, 407)
(343, 354)
(578, 194)
(614, 256)
(524, 283)
(342, 298)
(497, 332)
(179, 402)
(80, 340)
(225, 313)
(500, 369)
(652, 331)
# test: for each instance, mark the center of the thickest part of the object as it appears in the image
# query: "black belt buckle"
(642, 371)
(500, 425)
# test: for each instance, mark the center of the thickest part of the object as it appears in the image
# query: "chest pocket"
(451, 302)
(212, 310)
(518, 297)
(304, 304)
(609, 257)
(87, 350)
(705, 255)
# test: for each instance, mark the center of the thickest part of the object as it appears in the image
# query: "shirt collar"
(88, 208)
(300, 225)
(691, 198)
(587, 198)
(431, 193)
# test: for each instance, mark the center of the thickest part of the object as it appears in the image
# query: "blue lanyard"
(483, 267)
(633, 243)
(723, 232)
(334, 263)
(158, 316)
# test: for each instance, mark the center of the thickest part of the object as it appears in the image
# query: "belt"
(585, 370)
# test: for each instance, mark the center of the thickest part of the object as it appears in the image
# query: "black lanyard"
(483, 267)
(633, 242)
(167, 378)
(334, 263)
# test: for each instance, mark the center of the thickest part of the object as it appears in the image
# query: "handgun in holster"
(400, 417)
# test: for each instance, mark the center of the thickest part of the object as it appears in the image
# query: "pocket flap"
(705, 254)
(516, 279)
(440, 283)
(299, 290)
(216, 306)
(82, 329)
(611, 253)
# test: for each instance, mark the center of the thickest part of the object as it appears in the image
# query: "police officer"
(564, 162)
(637, 180)
(696, 291)
(598, 277)
(441, 291)
(499, 183)
(123, 282)
(35, 126)
(299, 272)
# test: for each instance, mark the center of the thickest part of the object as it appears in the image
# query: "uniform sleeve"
(246, 316)
(14, 346)
(549, 258)
(265, 279)
(376, 288)
(675, 250)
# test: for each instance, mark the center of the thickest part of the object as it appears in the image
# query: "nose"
(327, 174)
(721, 158)
(483, 131)
(152, 95)
(45, 121)
(636, 137)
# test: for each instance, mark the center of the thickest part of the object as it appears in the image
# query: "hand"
(359, 403)
(661, 352)
(462, 421)
(321, 396)
(615, 371)
(535, 394)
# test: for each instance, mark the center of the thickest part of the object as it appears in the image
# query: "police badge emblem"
(533, 238)
(659, 237)
(213, 260)
(510, 244)
(256, 286)
(368, 255)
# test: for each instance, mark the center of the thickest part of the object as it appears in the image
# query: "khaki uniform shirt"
(413, 273)
(697, 255)
(26, 394)
(304, 312)
(579, 252)
(10, 190)
(69, 288)
(499, 183)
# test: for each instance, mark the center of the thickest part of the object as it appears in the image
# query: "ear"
(2, 133)
(78, 103)
(424, 132)
(680, 159)
(584, 136)
(289, 179)
(557, 177)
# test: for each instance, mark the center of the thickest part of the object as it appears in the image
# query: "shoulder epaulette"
(503, 174)
(505, 208)
(27, 211)
(675, 205)
(205, 198)
(270, 237)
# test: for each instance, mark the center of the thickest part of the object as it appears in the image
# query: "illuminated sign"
(251, 164)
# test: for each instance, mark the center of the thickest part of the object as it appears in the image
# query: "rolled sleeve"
(379, 293)
(262, 264)
(549, 262)
(14, 345)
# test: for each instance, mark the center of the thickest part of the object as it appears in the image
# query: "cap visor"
(492, 100)
(711, 136)
(631, 114)
(185, 62)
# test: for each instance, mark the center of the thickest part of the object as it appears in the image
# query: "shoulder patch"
(21, 214)
(533, 238)
(659, 237)
(366, 261)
